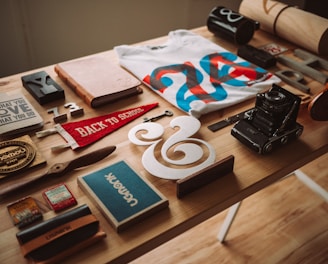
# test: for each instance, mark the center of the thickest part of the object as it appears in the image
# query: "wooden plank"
(205, 176)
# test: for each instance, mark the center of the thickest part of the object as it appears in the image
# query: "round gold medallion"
(15, 155)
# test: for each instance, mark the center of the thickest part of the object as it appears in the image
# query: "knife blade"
(60, 169)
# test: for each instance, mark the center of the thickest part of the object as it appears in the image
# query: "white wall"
(35, 33)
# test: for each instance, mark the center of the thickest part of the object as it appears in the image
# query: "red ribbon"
(82, 133)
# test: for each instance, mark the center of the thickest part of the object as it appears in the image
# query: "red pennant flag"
(82, 133)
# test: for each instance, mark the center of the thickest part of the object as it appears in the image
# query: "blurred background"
(36, 33)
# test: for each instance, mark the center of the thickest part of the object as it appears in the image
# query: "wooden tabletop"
(252, 172)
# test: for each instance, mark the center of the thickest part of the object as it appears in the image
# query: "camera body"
(271, 123)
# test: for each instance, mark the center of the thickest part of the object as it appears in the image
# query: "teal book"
(122, 195)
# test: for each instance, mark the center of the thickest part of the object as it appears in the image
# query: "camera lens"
(275, 97)
(273, 102)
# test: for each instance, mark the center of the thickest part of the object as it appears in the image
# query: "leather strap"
(56, 233)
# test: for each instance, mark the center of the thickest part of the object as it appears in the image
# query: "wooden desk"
(252, 172)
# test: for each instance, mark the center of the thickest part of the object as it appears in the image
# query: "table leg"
(233, 210)
(311, 184)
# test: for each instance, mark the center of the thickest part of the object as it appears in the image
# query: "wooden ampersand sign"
(180, 141)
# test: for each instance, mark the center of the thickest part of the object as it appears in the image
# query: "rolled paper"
(305, 29)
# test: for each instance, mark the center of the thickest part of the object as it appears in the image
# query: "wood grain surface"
(251, 174)
(284, 223)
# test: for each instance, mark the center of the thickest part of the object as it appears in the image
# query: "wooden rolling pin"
(295, 25)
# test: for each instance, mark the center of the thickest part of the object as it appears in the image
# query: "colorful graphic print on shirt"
(222, 70)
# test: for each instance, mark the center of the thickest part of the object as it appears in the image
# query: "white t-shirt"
(194, 74)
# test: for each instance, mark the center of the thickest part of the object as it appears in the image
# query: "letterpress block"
(42, 87)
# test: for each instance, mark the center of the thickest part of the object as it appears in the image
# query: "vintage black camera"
(271, 123)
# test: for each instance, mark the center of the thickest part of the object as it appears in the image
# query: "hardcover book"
(122, 195)
(97, 80)
(17, 115)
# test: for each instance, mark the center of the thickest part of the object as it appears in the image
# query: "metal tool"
(308, 65)
(155, 118)
(229, 120)
(293, 78)
(60, 169)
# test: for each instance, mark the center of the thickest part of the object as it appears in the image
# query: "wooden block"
(205, 176)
